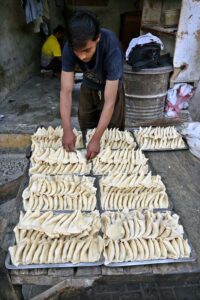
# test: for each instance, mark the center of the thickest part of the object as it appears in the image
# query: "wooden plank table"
(180, 172)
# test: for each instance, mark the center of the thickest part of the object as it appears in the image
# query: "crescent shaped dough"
(181, 246)
(51, 254)
(146, 248)
(29, 257)
(45, 252)
(129, 253)
(76, 254)
(65, 250)
(171, 253)
(175, 245)
(157, 251)
(58, 251)
(95, 249)
(140, 250)
(84, 251)
(163, 249)
(137, 226)
(134, 249)
(36, 256)
(117, 250)
(25, 252)
(151, 248)
(111, 251)
(122, 252)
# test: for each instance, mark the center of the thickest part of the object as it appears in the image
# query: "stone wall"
(20, 47)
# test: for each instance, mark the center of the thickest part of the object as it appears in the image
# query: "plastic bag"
(191, 131)
(178, 98)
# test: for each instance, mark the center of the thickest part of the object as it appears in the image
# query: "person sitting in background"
(51, 58)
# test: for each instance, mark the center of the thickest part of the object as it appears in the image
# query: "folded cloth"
(141, 40)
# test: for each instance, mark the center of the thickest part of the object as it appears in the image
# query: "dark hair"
(59, 29)
(82, 26)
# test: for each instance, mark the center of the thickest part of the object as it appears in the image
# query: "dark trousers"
(90, 107)
(55, 65)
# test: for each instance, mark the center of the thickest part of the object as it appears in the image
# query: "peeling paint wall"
(19, 47)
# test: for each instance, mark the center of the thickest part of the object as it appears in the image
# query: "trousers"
(91, 105)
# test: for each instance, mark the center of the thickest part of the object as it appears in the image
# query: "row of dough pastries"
(128, 225)
(127, 161)
(59, 156)
(54, 141)
(135, 180)
(90, 249)
(69, 192)
(54, 225)
(71, 185)
(61, 169)
(114, 138)
(169, 132)
(122, 226)
(133, 192)
(48, 251)
(86, 202)
(142, 249)
(117, 199)
(46, 136)
(149, 143)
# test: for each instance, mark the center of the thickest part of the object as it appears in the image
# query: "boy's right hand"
(69, 140)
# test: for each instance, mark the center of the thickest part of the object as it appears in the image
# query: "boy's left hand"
(93, 148)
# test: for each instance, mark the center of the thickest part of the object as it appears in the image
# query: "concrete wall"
(110, 15)
(57, 13)
(19, 47)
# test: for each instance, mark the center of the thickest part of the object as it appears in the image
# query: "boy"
(99, 56)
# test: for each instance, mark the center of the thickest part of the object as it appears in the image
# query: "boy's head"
(84, 34)
(59, 32)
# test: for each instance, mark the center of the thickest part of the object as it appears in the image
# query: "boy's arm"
(69, 138)
(110, 95)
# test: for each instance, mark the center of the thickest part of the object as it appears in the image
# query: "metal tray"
(10, 266)
(163, 149)
(151, 262)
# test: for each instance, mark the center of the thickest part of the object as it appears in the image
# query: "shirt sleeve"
(114, 64)
(68, 60)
